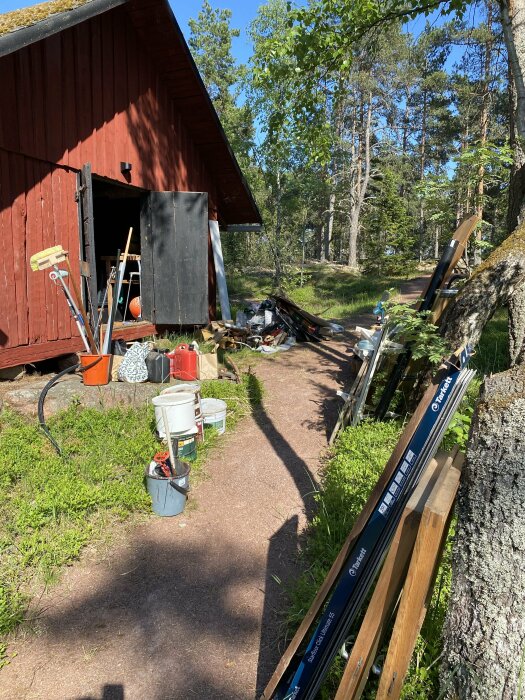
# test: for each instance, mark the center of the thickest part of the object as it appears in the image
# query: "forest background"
(375, 159)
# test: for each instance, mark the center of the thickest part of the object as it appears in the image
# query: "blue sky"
(243, 11)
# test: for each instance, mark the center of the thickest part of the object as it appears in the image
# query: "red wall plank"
(55, 98)
(9, 320)
(9, 115)
(18, 224)
(48, 241)
(35, 280)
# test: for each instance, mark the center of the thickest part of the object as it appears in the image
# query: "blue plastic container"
(169, 494)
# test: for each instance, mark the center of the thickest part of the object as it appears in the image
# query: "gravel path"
(189, 606)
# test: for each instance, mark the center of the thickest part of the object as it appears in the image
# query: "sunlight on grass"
(328, 291)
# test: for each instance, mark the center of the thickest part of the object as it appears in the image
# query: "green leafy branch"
(413, 327)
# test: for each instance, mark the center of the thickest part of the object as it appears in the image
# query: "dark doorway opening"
(116, 210)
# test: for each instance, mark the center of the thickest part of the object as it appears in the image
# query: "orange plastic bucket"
(98, 373)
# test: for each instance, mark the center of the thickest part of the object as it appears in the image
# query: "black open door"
(174, 258)
(87, 231)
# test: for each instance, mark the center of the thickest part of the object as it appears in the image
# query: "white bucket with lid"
(190, 387)
(180, 408)
(214, 414)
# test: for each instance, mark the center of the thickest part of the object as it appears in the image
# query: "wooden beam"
(417, 591)
(389, 584)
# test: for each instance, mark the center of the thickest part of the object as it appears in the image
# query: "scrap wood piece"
(372, 502)
(343, 417)
(234, 367)
(390, 583)
(417, 591)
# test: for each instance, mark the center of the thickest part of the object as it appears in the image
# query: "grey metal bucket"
(169, 494)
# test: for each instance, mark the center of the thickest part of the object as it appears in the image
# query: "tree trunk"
(422, 163)
(277, 255)
(513, 22)
(484, 632)
(483, 126)
(363, 178)
(329, 228)
(493, 284)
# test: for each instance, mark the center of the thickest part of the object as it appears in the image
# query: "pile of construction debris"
(273, 325)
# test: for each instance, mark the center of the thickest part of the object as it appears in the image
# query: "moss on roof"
(27, 16)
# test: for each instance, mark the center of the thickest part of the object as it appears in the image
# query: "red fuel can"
(183, 363)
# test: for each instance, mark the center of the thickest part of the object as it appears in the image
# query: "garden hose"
(43, 394)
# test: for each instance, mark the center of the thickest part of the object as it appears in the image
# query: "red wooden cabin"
(88, 92)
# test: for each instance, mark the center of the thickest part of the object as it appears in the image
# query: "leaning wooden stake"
(389, 584)
(417, 591)
(326, 586)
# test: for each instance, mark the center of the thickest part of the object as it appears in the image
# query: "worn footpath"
(191, 606)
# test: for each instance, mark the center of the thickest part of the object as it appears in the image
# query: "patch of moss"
(27, 16)
(515, 243)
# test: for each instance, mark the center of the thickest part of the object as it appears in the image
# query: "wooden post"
(419, 583)
(389, 584)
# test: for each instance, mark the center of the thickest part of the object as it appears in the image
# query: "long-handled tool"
(52, 257)
(118, 286)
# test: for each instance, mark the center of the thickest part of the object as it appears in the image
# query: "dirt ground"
(191, 606)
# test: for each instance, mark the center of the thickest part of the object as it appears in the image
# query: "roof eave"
(25, 36)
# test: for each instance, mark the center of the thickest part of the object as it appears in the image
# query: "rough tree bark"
(513, 23)
(484, 631)
(363, 178)
(497, 282)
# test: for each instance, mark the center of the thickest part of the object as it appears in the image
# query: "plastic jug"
(183, 363)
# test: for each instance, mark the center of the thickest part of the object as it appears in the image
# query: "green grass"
(328, 290)
(53, 506)
(349, 476)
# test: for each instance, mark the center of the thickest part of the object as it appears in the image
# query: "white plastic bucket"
(214, 414)
(180, 408)
(193, 387)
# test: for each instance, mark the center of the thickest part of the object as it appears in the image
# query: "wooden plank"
(220, 272)
(342, 419)
(419, 582)
(122, 151)
(88, 228)
(74, 240)
(24, 92)
(48, 241)
(69, 109)
(325, 588)
(84, 108)
(41, 121)
(35, 280)
(18, 222)
(9, 320)
(10, 357)
(106, 166)
(462, 235)
(132, 331)
(132, 117)
(389, 584)
(9, 117)
(97, 156)
(64, 327)
(53, 66)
